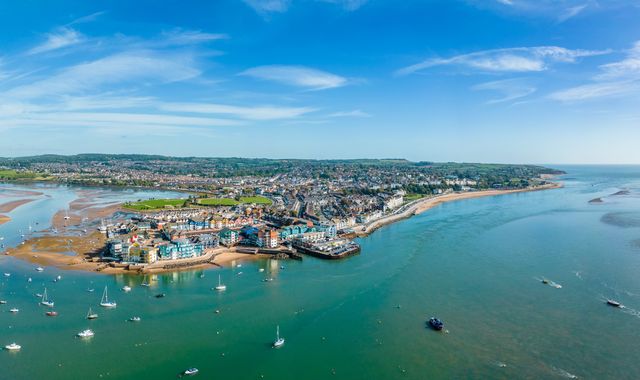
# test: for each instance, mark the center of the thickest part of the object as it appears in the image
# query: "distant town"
(280, 207)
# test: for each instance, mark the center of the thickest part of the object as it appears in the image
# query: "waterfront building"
(228, 237)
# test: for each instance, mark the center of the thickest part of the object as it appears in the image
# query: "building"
(228, 237)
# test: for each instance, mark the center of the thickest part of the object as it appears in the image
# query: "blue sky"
(527, 81)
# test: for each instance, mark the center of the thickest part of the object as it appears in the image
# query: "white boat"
(39, 269)
(105, 300)
(3, 302)
(134, 319)
(29, 279)
(14, 310)
(261, 270)
(12, 347)
(45, 300)
(191, 371)
(91, 314)
(7, 274)
(145, 284)
(126, 288)
(221, 286)
(279, 342)
(88, 333)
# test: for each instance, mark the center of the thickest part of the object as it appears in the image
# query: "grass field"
(233, 202)
(14, 175)
(154, 204)
(412, 197)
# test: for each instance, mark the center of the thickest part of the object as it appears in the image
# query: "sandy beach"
(10, 206)
(4, 219)
(421, 205)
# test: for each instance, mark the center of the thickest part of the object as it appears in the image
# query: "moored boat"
(14, 310)
(51, 313)
(279, 342)
(436, 324)
(45, 300)
(190, 371)
(220, 287)
(134, 319)
(91, 314)
(12, 347)
(105, 300)
(88, 333)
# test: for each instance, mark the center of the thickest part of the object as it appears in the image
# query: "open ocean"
(476, 264)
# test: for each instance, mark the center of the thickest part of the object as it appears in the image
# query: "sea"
(476, 264)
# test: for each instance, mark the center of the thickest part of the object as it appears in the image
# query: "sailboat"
(279, 342)
(45, 300)
(221, 286)
(91, 314)
(105, 300)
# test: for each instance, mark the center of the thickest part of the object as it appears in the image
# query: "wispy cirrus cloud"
(180, 36)
(349, 5)
(519, 59)
(354, 113)
(250, 113)
(615, 79)
(572, 12)
(268, 6)
(121, 68)
(510, 89)
(58, 39)
(299, 76)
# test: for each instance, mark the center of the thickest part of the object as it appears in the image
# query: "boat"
(3, 302)
(29, 279)
(160, 295)
(105, 300)
(261, 270)
(279, 342)
(545, 281)
(51, 313)
(201, 275)
(12, 347)
(14, 310)
(88, 333)
(436, 324)
(190, 371)
(220, 287)
(39, 269)
(90, 290)
(613, 303)
(45, 300)
(91, 314)
(126, 288)
(134, 319)
(7, 274)
(268, 279)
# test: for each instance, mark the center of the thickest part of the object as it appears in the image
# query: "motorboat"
(161, 295)
(436, 324)
(12, 347)
(39, 269)
(279, 342)
(613, 303)
(51, 313)
(134, 319)
(190, 371)
(126, 288)
(88, 333)
(220, 287)
(3, 302)
(105, 300)
(14, 310)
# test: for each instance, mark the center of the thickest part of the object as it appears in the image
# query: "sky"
(509, 81)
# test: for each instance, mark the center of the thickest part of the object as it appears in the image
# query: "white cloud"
(505, 2)
(616, 79)
(130, 67)
(354, 113)
(350, 5)
(511, 89)
(596, 90)
(299, 76)
(87, 18)
(190, 37)
(59, 39)
(519, 59)
(571, 12)
(628, 67)
(268, 6)
(251, 113)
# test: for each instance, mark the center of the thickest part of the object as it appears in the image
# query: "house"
(228, 237)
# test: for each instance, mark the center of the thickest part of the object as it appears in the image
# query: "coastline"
(81, 252)
(4, 219)
(424, 204)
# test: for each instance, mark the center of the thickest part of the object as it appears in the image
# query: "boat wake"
(564, 373)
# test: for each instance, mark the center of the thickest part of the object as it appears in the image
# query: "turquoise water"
(476, 264)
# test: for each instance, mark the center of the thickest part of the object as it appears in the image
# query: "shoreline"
(4, 219)
(424, 204)
(10, 206)
(80, 252)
